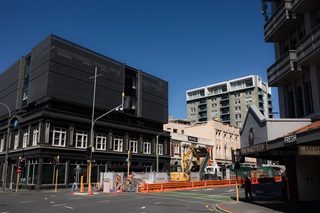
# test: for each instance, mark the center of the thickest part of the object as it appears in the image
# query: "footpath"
(267, 206)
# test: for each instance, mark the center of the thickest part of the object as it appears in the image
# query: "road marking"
(143, 207)
(104, 201)
(156, 203)
(63, 204)
(69, 207)
(26, 201)
(211, 210)
(51, 202)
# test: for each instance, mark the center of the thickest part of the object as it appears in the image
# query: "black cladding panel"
(9, 88)
(38, 77)
(71, 76)
(154, 98)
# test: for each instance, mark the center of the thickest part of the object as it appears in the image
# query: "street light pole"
(120, 107)
(157, 150)
(4, 174)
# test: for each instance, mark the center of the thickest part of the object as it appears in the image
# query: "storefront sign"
(193, 139)
(290, 139)
(261, 147)
(309, 150)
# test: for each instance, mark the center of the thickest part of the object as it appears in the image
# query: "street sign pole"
(237, 188)
(57, 175)
(18, 177)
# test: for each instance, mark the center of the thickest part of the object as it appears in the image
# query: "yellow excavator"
(195, 160)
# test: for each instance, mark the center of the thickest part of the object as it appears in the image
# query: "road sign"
(19, 171)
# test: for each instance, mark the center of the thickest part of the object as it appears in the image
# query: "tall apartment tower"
(294, 28)
(229, 101)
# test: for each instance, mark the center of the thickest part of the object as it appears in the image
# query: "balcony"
(281, 23)
(302, 6)
(202, 115)
(202, 108)
(280, 71)
(224, 104)
(308, 49)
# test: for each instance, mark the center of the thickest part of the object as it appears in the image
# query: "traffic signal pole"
(57, 173)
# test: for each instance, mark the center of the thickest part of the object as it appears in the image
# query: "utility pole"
(4, 174)
(120, 107)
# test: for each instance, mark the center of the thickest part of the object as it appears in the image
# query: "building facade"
(222, 137)
(293, 140)
(46, 110)
(293, 26)
(229, 101)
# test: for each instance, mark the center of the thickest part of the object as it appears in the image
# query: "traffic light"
(89, 152)
(22, 162)
(54, 161)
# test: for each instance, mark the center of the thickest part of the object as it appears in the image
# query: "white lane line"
(143, 207)
(51, 202)
(104, 201)
(26, 201)
(69, 207)
(156, 203)
(63, 204)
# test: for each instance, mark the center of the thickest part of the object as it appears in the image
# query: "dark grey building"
(49, 94)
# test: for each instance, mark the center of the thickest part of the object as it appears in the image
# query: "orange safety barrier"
(161, 187)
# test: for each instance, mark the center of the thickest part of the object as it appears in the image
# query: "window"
(25, 139)
(101, 142)
(248, 92)
(146, 147)
(1, 144)
(238, 124)
(117, 143)
(214, 113)
(249, 99)
(59, 137)
(238, 116)
(237, 101)
(176, 149)
(81, 139)
(237, 108)
(185, 150)
(175, 130)
(36, 135)
(16, 140)
(237, 94)
(133, 145)
(160, 149)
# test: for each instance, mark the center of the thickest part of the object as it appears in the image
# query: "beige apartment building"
(229, 101)
(222, 138)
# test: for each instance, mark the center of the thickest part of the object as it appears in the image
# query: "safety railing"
(171, 186)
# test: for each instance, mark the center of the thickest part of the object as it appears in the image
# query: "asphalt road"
(198, 200)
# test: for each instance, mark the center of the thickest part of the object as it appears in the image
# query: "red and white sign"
(19, 171)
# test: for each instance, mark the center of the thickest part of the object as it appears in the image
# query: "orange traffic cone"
(115, 191)
(90, 191)
(137, 189)
(121, 189)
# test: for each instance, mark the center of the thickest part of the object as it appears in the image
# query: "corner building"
(49, 94)
(293, 26)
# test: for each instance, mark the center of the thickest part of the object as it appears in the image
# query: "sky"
(188, 43)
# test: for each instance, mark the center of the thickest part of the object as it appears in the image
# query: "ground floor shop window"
(49, 174)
